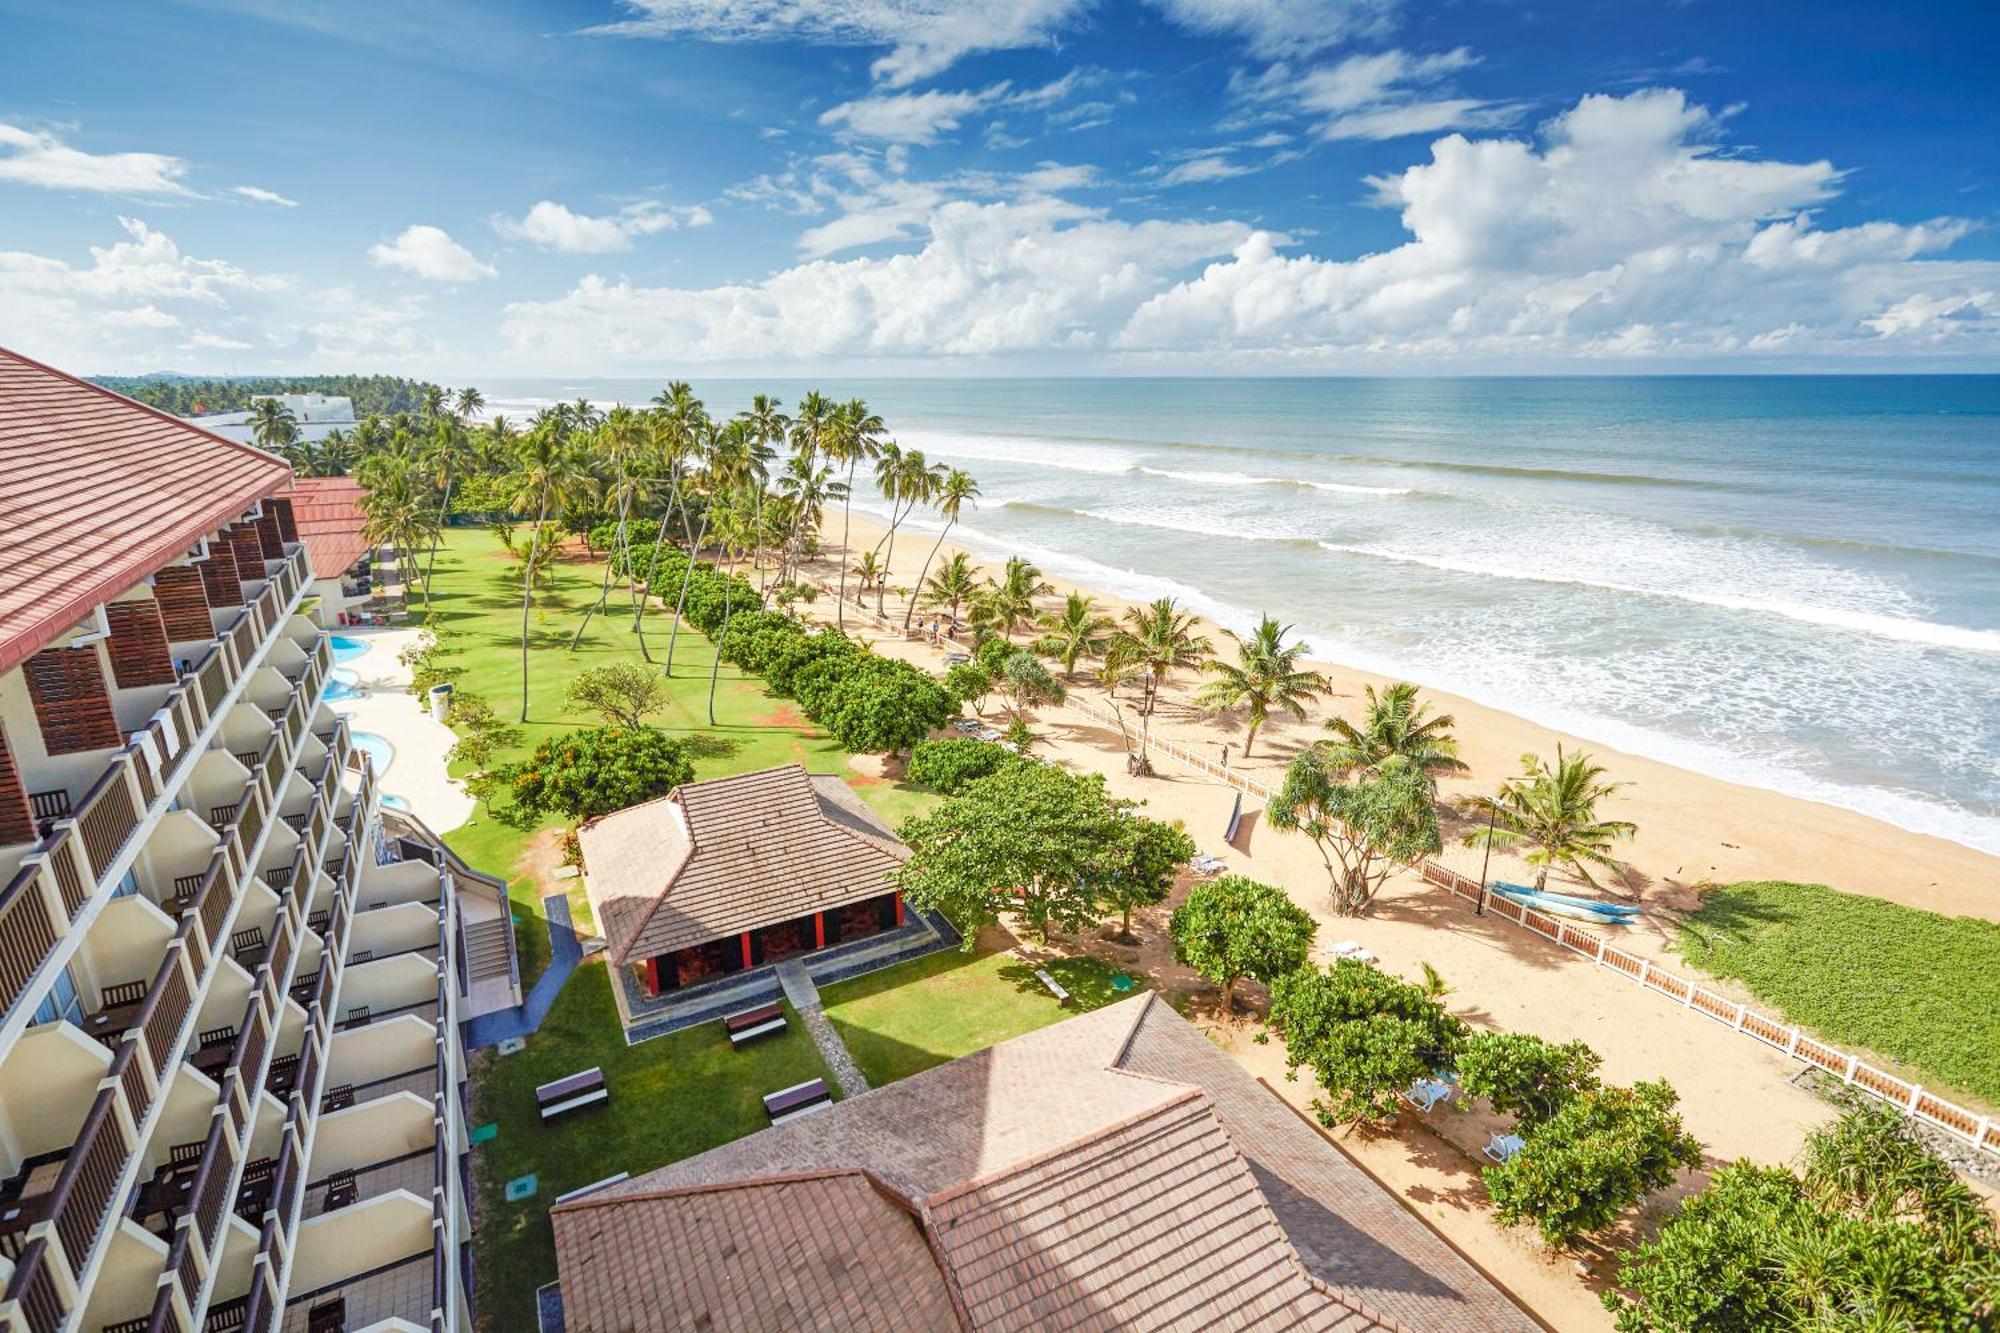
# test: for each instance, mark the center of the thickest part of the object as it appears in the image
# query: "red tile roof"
(99, 491)
(328, 513)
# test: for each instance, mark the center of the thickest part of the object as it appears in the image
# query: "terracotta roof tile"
(1113, 1171)
(716, 858)
(98, 492)
(328, 513)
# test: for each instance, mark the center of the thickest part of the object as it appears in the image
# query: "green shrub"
(1602, 1152)
(1365, 1034)
(599, 769)
(947, 765)
(1523, 1075)
(1236, 927)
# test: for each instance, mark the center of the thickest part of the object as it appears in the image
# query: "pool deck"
(385, 707)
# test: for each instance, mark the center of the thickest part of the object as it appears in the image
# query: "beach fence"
(1980, 1131)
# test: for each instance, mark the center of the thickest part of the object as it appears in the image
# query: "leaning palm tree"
(449, 455)
(723, 450)
(955, 584)
(1008, 602)
(736, 527)
(674, 428)
(910, 481)
(550, 476)
(1552, 809)
(1078, 630)
(768, 427)
(1397, 730)
(1160, 638)
(1265, 676)
(952, 493)
(620, 447)
(806, 486)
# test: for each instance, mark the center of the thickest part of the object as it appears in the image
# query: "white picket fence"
(1978, 1130)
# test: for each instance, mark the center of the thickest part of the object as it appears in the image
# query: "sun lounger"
(1208, 865)
(1503, 1147)
(1350, 949)
(1426, 1094)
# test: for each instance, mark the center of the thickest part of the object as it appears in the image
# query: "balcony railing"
(56, 879)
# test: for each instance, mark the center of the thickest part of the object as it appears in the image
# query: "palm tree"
(433, 401)
(955, 584)
(867, 570)
(1160, 638)
(619, 444)
(951, 495)
(673, 426)
(736, 526)
(714, 444)
(1078, 630)
(767, 428)
(470, 400)
(1397, 730)
(450, 453)
(906, 481)
(273, 426)
(1266, 675)
(1554, 811)
(806, 486)
(1008, 602)
(849, 434)
(549, 477)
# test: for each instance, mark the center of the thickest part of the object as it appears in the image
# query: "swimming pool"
(346, 649)
(394, 802)
(377, 748)
(343, 684)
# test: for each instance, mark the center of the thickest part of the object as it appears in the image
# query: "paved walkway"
(565, 952)
(804, 997)
(385, 706)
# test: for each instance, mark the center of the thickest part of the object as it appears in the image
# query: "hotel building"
(231, 1076)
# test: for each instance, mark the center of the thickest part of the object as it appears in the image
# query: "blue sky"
(1022, 186)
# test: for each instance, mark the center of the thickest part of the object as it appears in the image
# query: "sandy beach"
(1738, 1096)
(1693, 829)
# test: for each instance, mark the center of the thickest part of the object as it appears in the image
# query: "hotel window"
(128, 885)
(62, 1002)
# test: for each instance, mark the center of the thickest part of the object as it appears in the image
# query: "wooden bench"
(765, 1020)
(797, 1100)
(1055, 987)
(572, 1094)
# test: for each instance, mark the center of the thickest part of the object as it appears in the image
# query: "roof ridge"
(147, 408)
(722, 1186)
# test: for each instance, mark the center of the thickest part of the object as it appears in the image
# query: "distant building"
(318, 416)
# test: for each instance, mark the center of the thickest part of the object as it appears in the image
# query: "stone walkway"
(804, 997)
(565, 952)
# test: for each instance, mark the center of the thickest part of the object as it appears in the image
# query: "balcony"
(62, 1230)
(82, 855)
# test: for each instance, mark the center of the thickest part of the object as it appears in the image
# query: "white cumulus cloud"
(34, 157)
(429, 252)
(925, 37)
(555, 226)
(1384, 95)
(917, 118)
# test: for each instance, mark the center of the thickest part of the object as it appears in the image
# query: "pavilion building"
(230, 1063)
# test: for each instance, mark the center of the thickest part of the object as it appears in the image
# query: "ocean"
(1791, 582)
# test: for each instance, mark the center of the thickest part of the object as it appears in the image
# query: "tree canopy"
(1602, 1151)
(599, 769)
(1365, 1034)
(1235, 927)
(624, 694)
(1363, 824)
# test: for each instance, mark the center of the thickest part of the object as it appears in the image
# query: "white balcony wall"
(387, 930)
(388, 983)
(373, 1234)
(398, 882)
(381, 1050)
(126, 1284)
(47, 1084)
(371, 1132)
(126, 942)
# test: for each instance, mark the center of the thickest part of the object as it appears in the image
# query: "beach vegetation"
(1139, 865)
(1913, 986)
(968, 682)
(1551, 810)
(1078, 630)
(1603, 1150)
(1027, 684)
(846, 435)
(599, 769)
(1236, 927)
(624, 694)
(950, 493)
(1397, 730)
(875, 705)
(905, 479)
(1364, 825)
(1364, 1034)
(952, 588)
(1159, 638)
(1525, 1076)
(1004, 605)
(1265, 677)
(948, 764)
(549, 475)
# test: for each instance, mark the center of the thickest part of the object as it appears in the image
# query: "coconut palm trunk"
(528, 595)
(444, 511)
(643, 594)
(622, 554)
(687, 576)
(924, 573)
(846, 529)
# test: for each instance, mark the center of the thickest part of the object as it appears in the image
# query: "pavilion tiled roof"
(328, 513)
(1111, 1171)
(712, 859)
(99, 491)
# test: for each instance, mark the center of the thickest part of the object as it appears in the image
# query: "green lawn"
(906, 1019)
(670, 1098)
(1911, 985)
(477, 609)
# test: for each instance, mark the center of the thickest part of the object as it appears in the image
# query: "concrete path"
(804, 997)
(416, 771)
(565, 952)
